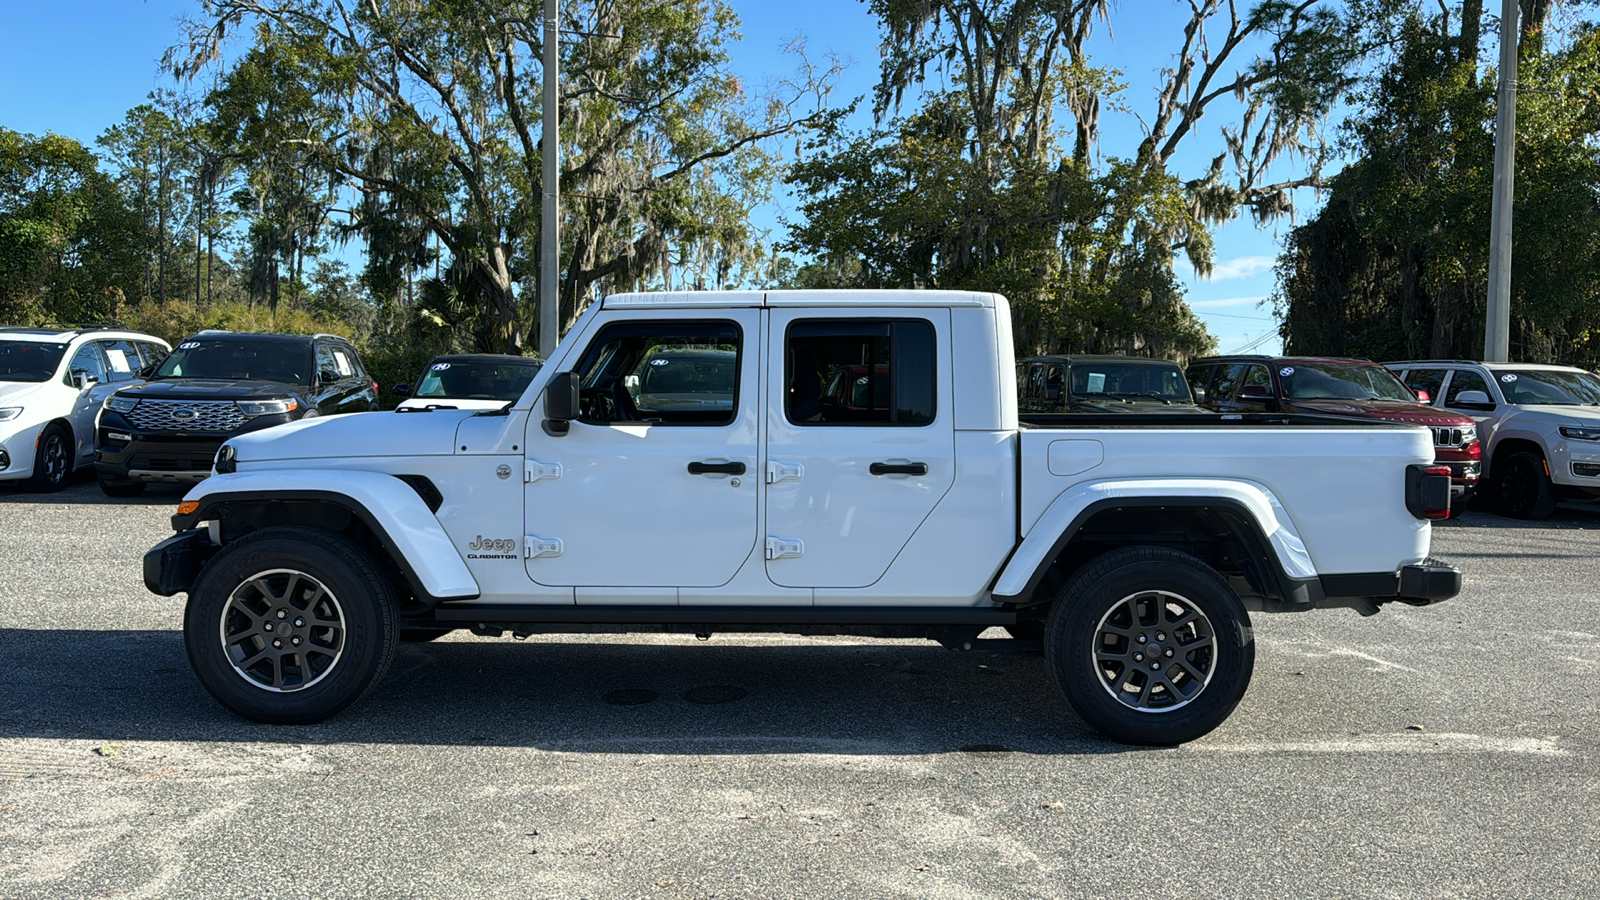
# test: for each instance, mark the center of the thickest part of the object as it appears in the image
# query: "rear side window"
(1430, 380)
(860, 372)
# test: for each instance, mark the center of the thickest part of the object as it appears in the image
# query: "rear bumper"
(1419, 584)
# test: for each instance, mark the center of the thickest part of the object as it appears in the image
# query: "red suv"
(1357, 388)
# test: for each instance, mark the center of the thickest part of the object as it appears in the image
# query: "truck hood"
(353, 435)
(12, 392)
(449, 402)
(1409, 413)
(211, 389)
(1559, 415)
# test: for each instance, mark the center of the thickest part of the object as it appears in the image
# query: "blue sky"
(73, 67)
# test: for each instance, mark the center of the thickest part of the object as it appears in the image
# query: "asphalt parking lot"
(1446, 751)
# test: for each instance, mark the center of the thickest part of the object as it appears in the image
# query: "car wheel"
(1523, 488)
(113, 488)
(1150, 646)
(290, 625)
(52, 462)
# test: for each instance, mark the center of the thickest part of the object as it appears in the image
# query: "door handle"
(706, 468)
(883, 468)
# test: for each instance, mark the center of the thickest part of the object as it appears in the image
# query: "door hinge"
(782, 471)
(538, 471)
(784, 548)
(535, 546)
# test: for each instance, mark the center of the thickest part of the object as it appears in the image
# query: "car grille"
(1444, 436)
(177, 415)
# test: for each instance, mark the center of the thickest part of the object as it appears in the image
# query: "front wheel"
(1150, 646)
(290, 625)
(1522, 485)
(52, 461)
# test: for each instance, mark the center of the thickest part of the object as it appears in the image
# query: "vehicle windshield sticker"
(1509, 377)
(118, 360)
(1097, 383)
(440, 367)
(1286, 371)
(659, 362)
(188, 345)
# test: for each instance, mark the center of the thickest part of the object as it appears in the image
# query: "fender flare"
(1249, 502)
(390, 508)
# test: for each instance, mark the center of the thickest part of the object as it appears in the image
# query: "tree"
(1395, 265)
(988, 192)
(148, 150)
(429, 112)
(66, 238)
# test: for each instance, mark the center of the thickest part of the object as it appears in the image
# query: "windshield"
(475, 379)
(29, 360)
(1326, 381)
(288, 363)
(1125, 381)
(1555, 388)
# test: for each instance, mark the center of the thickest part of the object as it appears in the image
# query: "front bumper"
(17, 450)
(159, 457)
(173, 565)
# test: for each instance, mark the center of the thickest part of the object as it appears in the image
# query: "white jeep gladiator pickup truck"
(824, 463)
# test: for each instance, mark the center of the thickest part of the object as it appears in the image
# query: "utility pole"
(1497, 322)
(549, 219)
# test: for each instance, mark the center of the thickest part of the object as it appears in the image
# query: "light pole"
(1497, 321)
(550, 214)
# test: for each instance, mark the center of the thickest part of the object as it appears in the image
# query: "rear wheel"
(52, 461)
(290, 625)
(1150, 646)
(1523, 487)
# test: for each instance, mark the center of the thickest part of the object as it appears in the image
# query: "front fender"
(1070, 511)
(389, 507)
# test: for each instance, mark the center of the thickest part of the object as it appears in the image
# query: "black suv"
(215, 385)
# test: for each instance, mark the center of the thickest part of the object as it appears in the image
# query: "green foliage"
(1396, 263)
(174, 320)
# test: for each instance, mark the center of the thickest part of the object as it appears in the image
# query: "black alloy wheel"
(52, 461)
(290, 625)
(1150, 646)
(1523, 488)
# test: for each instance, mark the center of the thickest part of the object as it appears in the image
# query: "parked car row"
(141, 411)
(1531, 433)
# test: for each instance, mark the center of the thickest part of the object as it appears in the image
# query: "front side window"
(668, 373)
(1228, 378)
(1463, 381)
(32, 361)
(1198, 377)
(860, 372)
(233, 359)
(87, 361)
(1542, 386)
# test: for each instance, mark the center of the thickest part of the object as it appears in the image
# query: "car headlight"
(1577, 433)
(268, 407)
(1469, 434)
(7, 413)
(121, 404)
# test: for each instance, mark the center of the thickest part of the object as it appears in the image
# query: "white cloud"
(1238, 267)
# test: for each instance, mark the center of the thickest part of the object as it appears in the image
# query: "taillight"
(1428, 491)
(1475, 450)
(374, 390)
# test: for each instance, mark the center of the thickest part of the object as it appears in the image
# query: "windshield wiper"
(1144, 394)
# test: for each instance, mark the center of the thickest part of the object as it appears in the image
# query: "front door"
(860, 441)
(655, 486)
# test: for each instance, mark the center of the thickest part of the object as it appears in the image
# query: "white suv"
(52, 383)
(1540, 427)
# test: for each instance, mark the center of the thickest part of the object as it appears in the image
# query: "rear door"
(861, 443)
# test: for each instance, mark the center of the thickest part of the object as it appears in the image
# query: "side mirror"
(1052, 393)
(1199, 395)
(402, 390)
(147, 371)
(84, 380)
(560, 402)
(1425, 397)
(1255, 392)
(1474, 399)
(328, 377)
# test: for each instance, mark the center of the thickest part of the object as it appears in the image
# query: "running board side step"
(519, 613)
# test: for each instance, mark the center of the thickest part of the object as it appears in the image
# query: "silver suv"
(1540, 426)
